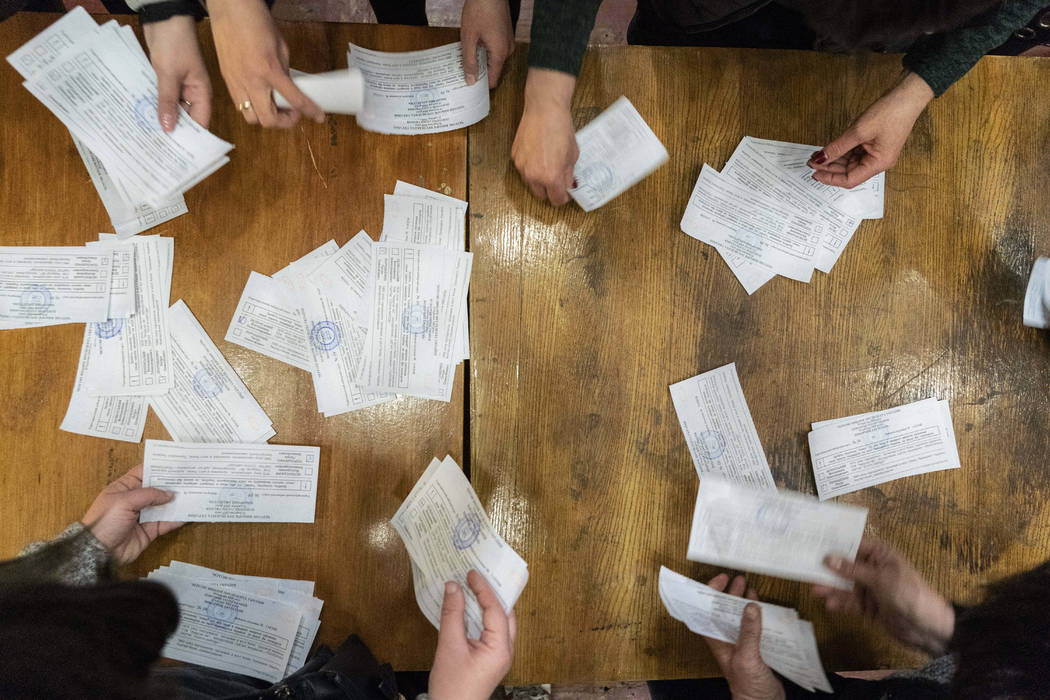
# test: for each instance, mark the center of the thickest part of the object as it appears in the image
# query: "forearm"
(75, 557)
(560, 31)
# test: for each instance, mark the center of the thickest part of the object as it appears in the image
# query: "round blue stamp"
(326, 336)
(466, 531)
(146, 114)
(596, 177)
(420, 97)
(711, 444)
(414, 319)
(220, 615)
(206, 383)
(35, 297)
(109, 329)
(235, 494)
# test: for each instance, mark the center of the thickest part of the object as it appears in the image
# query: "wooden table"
(581, 321)
(579, 324)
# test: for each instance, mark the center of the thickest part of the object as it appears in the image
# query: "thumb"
(470, 55)
(167, 100)
(749, 641)
(453, 631)
(858, 571)
(137, 499)
(836, 149)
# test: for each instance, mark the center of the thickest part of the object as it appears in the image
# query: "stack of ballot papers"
(232, 483)
(98, 81)
(788, 644)
(779, 533)
(1037, 296)
(617, 150)
(253, 625)
(447, 533)
(860, 451)
(370, 320)
(419, 92)
(767, 216)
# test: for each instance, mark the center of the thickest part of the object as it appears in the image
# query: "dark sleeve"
(74, 558)
(941, 59)
(560, 30)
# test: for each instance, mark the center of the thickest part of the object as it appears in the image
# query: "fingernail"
(167, 121)
(451, 587)
(819, 157)
(319, 119)
(575, 185)
(472, 78)
(835, 562)
(750, 612)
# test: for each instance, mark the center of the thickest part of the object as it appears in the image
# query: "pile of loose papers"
(859, 451)
(447, 533)
(98, 81)
(767, 216)
(370, 320)
(253, 625)
(788, 644)
(1037, 295)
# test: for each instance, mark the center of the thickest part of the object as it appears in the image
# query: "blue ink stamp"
(711, 444)
(220, 615)
(146, 114)
(466, 531)
(421, 97)
(206, 384)
(234, 494)
(414, 319)
(35, 297)
(326, 336)
(773, 518)
(109, 329)
(596, 177)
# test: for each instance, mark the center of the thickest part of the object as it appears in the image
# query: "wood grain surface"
(581, 321)
(283, 193)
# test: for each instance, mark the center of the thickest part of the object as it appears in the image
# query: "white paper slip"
(767, 233)
(447, 533)
(750, 276)
(310, 261)
(419, 92)
(263, 583)
(122, 277)
(779, 533)
(1037, 295)
(335, 92)
(787, 644)
(853, 453)
(229, 630)
(346, 277)
(409, 190)
(114, 417)
(265, 321)
(718, 428)
(231, 482)
(208, 401)
(617, 151)
(49, 285)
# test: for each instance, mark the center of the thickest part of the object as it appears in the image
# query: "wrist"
(548, 90)
(914, 91)
(941, 628)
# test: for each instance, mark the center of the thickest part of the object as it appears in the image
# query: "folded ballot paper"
(767, 216)
(253, 625)
(1037, 295)
(98, 81)
(779, 533)
(370, 319)
(335, 92)
(856, 452)
(617, 151)
(788, 644)
(447, 533)
(45, 286)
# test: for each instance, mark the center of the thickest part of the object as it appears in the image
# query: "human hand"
(176, 57)
(748, 675)
(470, 669)
(487, 22)
(891, 591)
(874, 142)
(113, 517)
(544, 149)
(253, 57)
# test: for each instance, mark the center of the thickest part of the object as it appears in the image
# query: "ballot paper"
(447, 533)
(132, 356)
(779, 533)
(346, 277)
(617, 151)
(115, 417)
(122, 275)
(265, 321)
(208, 401)
(101, 85)
(788, 644)
(718, 428)
(128, 217)
(231, 482)
(419, 92)
(49, 285)
(856, 452)
(1037, 295)
(224, 628)
(298, 594)
(335, 92)
(414, 319)
(767, 233)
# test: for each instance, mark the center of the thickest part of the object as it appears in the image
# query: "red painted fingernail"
(575, 185)
(819, 157)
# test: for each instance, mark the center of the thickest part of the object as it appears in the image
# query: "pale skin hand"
(470, 669)
(890, 591)
(486, 22)
(253, 57)
(113, 517)
(748, 675)
(874, 142)
(545, 149)
(181, 74)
